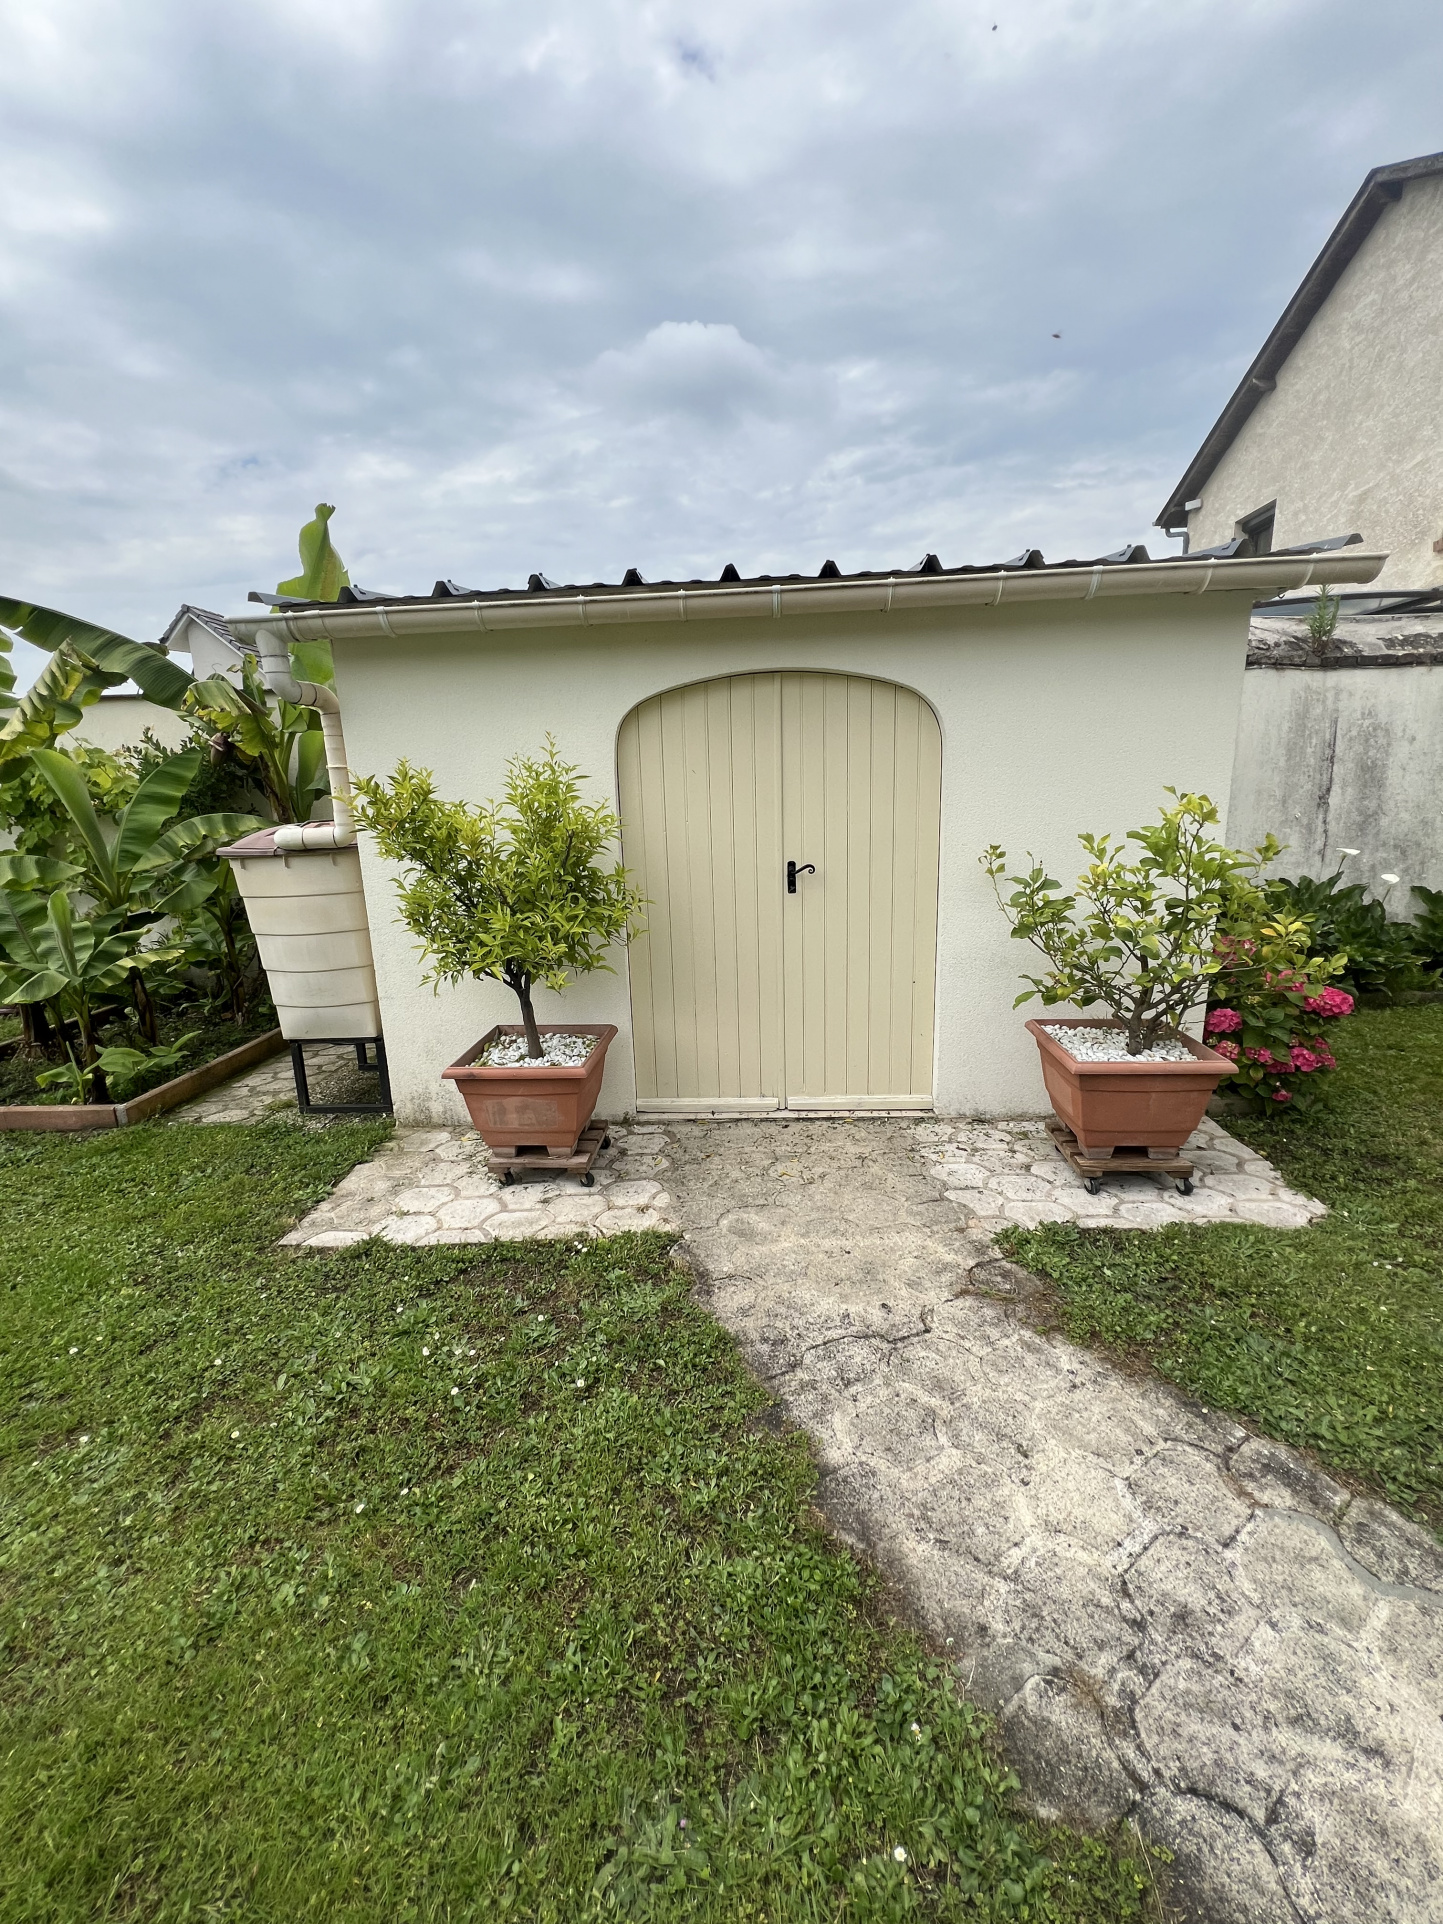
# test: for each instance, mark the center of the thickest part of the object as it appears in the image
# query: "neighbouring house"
(1337, 428)
(1338, 424)
(876, 730)
(122, 715)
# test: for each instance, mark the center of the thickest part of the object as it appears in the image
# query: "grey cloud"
(577, 284)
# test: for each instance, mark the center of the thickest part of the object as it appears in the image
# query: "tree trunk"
(528, 1016)
(36, 1034)
(99, 1090)
(144, 1007)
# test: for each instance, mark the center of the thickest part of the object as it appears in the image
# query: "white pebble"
(557, 1052)
(1110, 1045)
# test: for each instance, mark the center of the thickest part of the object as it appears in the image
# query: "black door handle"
(794, 870)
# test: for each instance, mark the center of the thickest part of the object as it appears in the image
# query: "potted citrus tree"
(1144, 932)
(518, 892)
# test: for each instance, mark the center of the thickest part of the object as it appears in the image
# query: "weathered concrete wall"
(1352, 436)
(1335, 758)
(1055, 718)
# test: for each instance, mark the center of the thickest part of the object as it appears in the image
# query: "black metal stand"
(376, 1068)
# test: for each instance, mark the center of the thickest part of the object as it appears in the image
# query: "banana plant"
(141, 869)
(85, 659)
(282, 744)
(50, 954)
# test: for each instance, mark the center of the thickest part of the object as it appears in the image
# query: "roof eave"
(1383, 186)
(1257, 579)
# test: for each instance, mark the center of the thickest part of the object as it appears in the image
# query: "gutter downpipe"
(276, 673)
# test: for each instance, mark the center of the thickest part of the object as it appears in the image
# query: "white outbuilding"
(806, 771)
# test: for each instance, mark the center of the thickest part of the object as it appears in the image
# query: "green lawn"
(1331, 1337)
(436, 1585)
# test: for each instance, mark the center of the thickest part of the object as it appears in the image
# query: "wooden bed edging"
(119, 1115)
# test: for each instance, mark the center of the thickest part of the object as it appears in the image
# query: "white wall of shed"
(1330, 759)
(118, 721)
(1350, 438)
(1056, 718)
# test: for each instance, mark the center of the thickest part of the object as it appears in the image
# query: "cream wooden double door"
(784, 828)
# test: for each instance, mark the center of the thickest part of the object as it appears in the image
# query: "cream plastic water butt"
(307, 912)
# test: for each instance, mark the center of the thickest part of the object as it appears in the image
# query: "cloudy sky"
(579, 285)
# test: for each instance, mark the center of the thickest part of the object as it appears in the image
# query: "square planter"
(522, 1106)
(1134, 1105)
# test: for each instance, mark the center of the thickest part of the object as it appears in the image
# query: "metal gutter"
(1383, 186)
(1258, 578)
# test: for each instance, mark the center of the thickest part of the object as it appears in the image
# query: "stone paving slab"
(430, 1186)
(1006, 1173)
(1174, 1620)
(270, 1088)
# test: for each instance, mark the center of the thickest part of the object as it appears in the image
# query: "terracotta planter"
(1134, 1105)
(542, 1108)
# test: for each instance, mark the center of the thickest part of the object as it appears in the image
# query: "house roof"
(1381, 188)
(1027, 577)
(1031, 560)
(216, 624)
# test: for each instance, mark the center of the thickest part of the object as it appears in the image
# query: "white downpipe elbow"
(276, 673)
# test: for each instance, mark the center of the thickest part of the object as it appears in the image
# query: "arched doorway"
(747, 992)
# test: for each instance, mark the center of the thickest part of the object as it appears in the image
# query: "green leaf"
(35, 871)
(69, 784)
(323, 573)
(155, 801)
(157, 677)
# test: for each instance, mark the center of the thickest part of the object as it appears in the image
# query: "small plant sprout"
(1323, 617)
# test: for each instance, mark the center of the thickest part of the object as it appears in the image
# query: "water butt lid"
(263, 842)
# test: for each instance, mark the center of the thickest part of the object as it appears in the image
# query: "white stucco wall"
(1352, 436)
(1055, 718)
(118, 721)
(1340, 758)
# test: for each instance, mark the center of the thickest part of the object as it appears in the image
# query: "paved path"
(270, 1088)
(1174, 1620)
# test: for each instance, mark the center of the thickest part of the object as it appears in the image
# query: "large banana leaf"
(157, 677)
(8, 696)
(152, 806)
(36, 872)
(323, 573)
(53, 953)
(111, 869)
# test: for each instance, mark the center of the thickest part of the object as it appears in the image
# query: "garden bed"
(56, 1114)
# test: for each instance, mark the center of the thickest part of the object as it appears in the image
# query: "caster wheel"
(588, 1181)
(1091, 1185)
(606, 1142)
(1184, 1188)
(508, 1177)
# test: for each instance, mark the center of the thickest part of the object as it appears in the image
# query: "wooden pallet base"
(1122, 1162)
(576, 1161)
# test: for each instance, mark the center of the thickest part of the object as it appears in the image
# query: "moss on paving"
(395, 1584)
(1331, 1337)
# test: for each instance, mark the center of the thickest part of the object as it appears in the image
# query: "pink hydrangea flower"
(1226, 1048)
(1222, 1022)
(1305, 1061)
(1265, 1059)
(1330, 1002)
(1282, 1095)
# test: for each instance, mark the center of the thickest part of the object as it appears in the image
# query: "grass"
(437, 1584)
(1329, 1338)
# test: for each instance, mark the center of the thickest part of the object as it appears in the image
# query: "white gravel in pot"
(557, 1052)
(1110, 1045)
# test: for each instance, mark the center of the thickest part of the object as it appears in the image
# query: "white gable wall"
(1351, 439)
(1055, 718)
